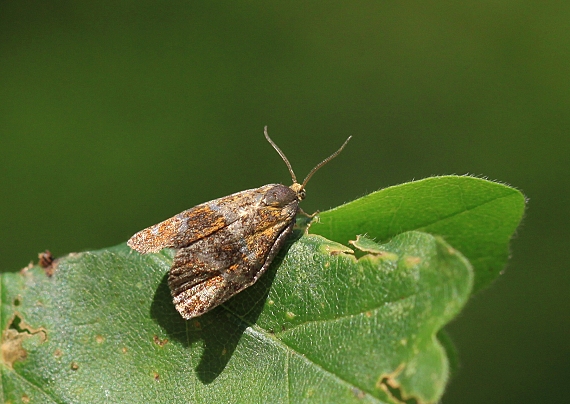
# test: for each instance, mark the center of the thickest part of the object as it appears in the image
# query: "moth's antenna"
(283, 154)
(325, 161)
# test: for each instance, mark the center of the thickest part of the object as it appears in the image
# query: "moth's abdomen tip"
(186, 315)
(186, 310)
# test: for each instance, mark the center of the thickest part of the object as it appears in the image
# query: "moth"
(225, 245)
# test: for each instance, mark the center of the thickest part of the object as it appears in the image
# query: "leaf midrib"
(422, 227)
(260, 333)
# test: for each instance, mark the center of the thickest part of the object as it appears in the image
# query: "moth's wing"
(195, 223)
(211, 270)
(198, 287)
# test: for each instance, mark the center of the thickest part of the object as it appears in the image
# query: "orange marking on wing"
(178, 231)
(232, 268)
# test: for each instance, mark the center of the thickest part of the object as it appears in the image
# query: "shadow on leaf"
(220, 329)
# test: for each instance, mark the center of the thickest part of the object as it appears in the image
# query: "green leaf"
(475, 216)
(331, 325)
(325, 327)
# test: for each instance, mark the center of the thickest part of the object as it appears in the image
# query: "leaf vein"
(333, 319)
(37, 388)
(260, 333)
(423, 226)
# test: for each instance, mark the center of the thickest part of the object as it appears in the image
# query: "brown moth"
(225, 245)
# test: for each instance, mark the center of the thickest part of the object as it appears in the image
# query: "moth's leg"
(301, 211)
(304, 220)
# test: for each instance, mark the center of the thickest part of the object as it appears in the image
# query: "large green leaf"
(325, 327)
(327, 323)
(476, 216)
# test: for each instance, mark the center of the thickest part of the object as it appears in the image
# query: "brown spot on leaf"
(45, 259)
(334, 249)
(25, 398)
(158, 341)
(358, 393)
(124, 350)
(389, 383)
(57, 353)
(13, 337)
(99, 339)
(24, 270)
(372, 249)
(74, 366)
(12, 350)
(47, 262)
(156, 376)
(412, 261)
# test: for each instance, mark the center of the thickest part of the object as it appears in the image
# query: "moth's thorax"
(279, 196)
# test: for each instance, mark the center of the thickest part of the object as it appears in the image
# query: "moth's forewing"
(195, 223)
(213, 268)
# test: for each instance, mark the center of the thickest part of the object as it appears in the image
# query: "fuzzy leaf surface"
(323, 325)
(476, 216)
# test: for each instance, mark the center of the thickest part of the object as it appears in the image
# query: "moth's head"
(299, 189)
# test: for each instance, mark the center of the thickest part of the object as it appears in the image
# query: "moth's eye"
(302, 194)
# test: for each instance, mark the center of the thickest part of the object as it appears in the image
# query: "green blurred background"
(116, 115)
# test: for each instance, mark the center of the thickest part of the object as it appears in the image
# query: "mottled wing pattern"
(193, 224)
(213, 268)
